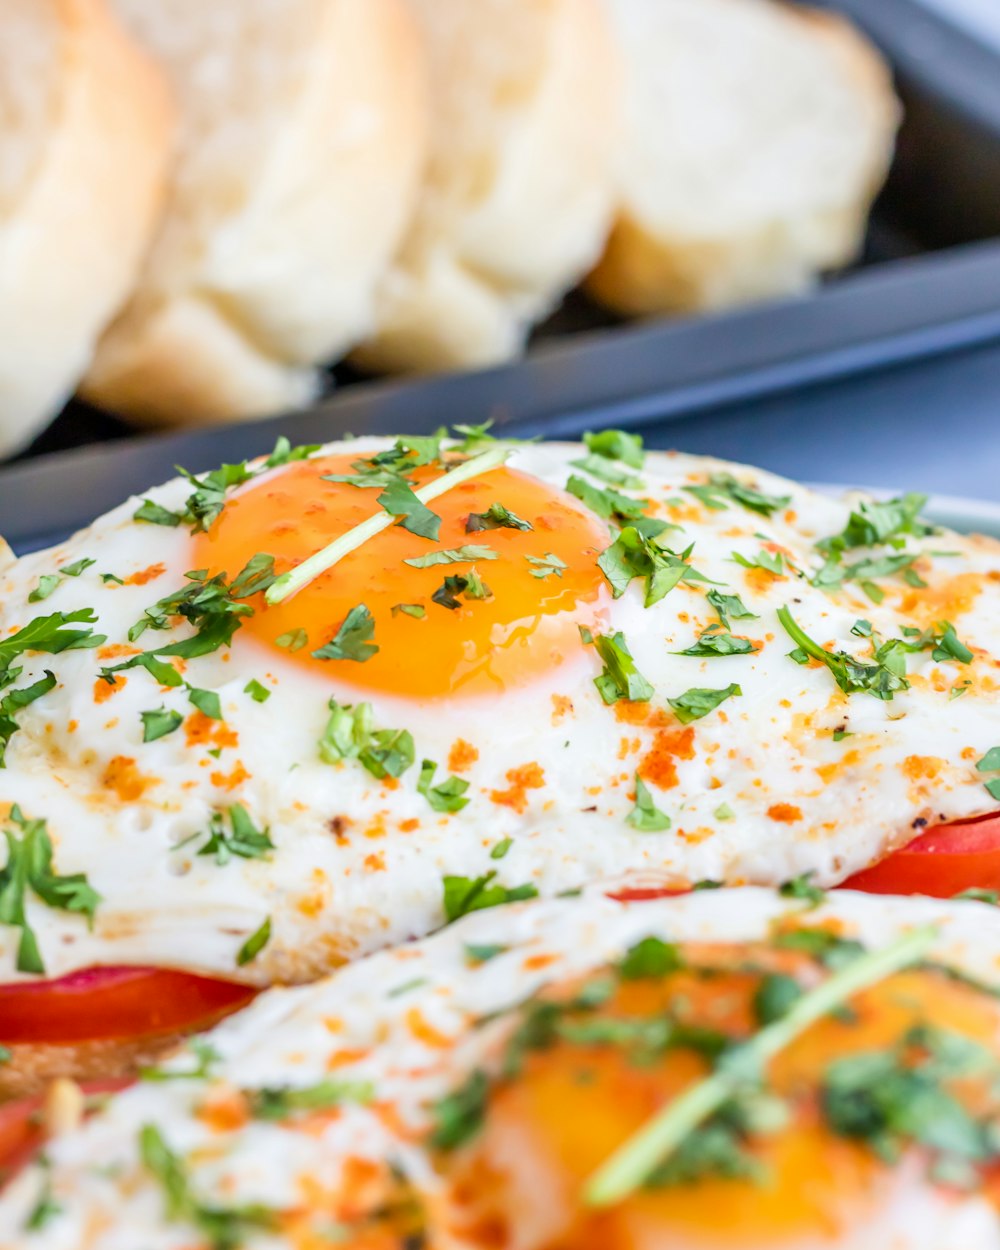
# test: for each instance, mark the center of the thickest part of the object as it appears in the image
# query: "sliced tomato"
(22, 1132)
(644, 894)
(942, 862)
(111, 1004)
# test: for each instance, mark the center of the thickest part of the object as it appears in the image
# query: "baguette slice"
(302, 141)
(757, 136)
(85, 132)
(518, 193)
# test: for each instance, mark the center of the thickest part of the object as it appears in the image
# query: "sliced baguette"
(756, 137)
(302, 141)
(85, 132)
(518, 194)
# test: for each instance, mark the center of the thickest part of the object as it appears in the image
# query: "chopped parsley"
(458, 1117)
(802, 888)
(29, 870)
(495, 517)
(222, 1228)
(207, 702)
(416, 610)
(617, 445)
(293, 640)
(990, 763)
(243, 839)
(620, 678)
(477, 953)
(254, 944)
(696, 703)
(502, 847)
(352, 641)
(256, 691)
(160, 723)
(651, 957)
(350, 734)
(467, 585)
(772, 562)
(399, 501)
(646, 817)
(547, 565)
(719, 642)
(872, 524)
(722, 489)
(46, 585)
(284, 1102)
(449, 796)
(453, 555)
(463, 895)
(882, 677)
(633, 555)
(729, 607)
(607, 503)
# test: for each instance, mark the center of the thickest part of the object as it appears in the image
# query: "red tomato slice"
(943, 862)
(22, 1132)
(105, 1004)
(644, 894)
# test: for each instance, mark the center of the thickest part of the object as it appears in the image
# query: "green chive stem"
(301, 575)
(632, 1164)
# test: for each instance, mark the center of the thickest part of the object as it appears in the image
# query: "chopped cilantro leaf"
(207, 702)
(77, 567)
(352, 641)
(283, 1102)
(696, 703)
(284, 453)
(990, 763)
(458, 1117)
(160, 723)
(502, 847)
(883, 677)
(724, 812)
(774, 997)
(449, 796)
(729, 607)
(155, 514)
(802, 888)
(47, 583)
(243, 839)
(29, 870)
(606, 470)
(723, 489)
(454, 555)
(772, 562)
(871, 524)
(650, 958)
(617, 445)
(416, 610)
(51, 634)
(495, 517)
(293, 640)
(718, 642)
(632, 555)
(15, 701)
(350, 734)
(477, 953)
(646, 817)
(547, 565)
(256, 691)
(467, 894)
(620, 678)
(254, 944)
(399, 500)
(609, 504)
(468, 585)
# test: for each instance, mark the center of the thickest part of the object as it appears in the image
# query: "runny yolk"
(548, 1130)
(527, 627)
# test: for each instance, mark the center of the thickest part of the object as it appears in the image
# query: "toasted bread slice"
(302, 139)
(518, 195)
(85, 133)
(756, 137)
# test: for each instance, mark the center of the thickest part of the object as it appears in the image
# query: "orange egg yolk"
(548, 1130)
(527, 626)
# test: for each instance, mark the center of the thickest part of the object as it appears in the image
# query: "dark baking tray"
(929, 285)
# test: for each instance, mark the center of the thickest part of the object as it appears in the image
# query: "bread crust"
(32, 1068)
(647, 270)
(71, 248)
(247, 289)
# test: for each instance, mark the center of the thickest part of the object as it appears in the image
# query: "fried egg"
(581, 662)
(468, 1091)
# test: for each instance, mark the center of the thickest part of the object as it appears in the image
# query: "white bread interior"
(85, 133)
(302, 140)
(756, 137)
(518, 194)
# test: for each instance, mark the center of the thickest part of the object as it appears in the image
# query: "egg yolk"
(548, 1130)
(542, 585)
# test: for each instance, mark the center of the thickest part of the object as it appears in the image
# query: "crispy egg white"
(757, 790)
(402, 1022)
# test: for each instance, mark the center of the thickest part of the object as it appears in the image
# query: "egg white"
(329, 898)
(291, 1037)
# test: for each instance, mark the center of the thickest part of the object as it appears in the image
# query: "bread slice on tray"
(518, 194)
(302, 140)
(756, 137)
(85, 127)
